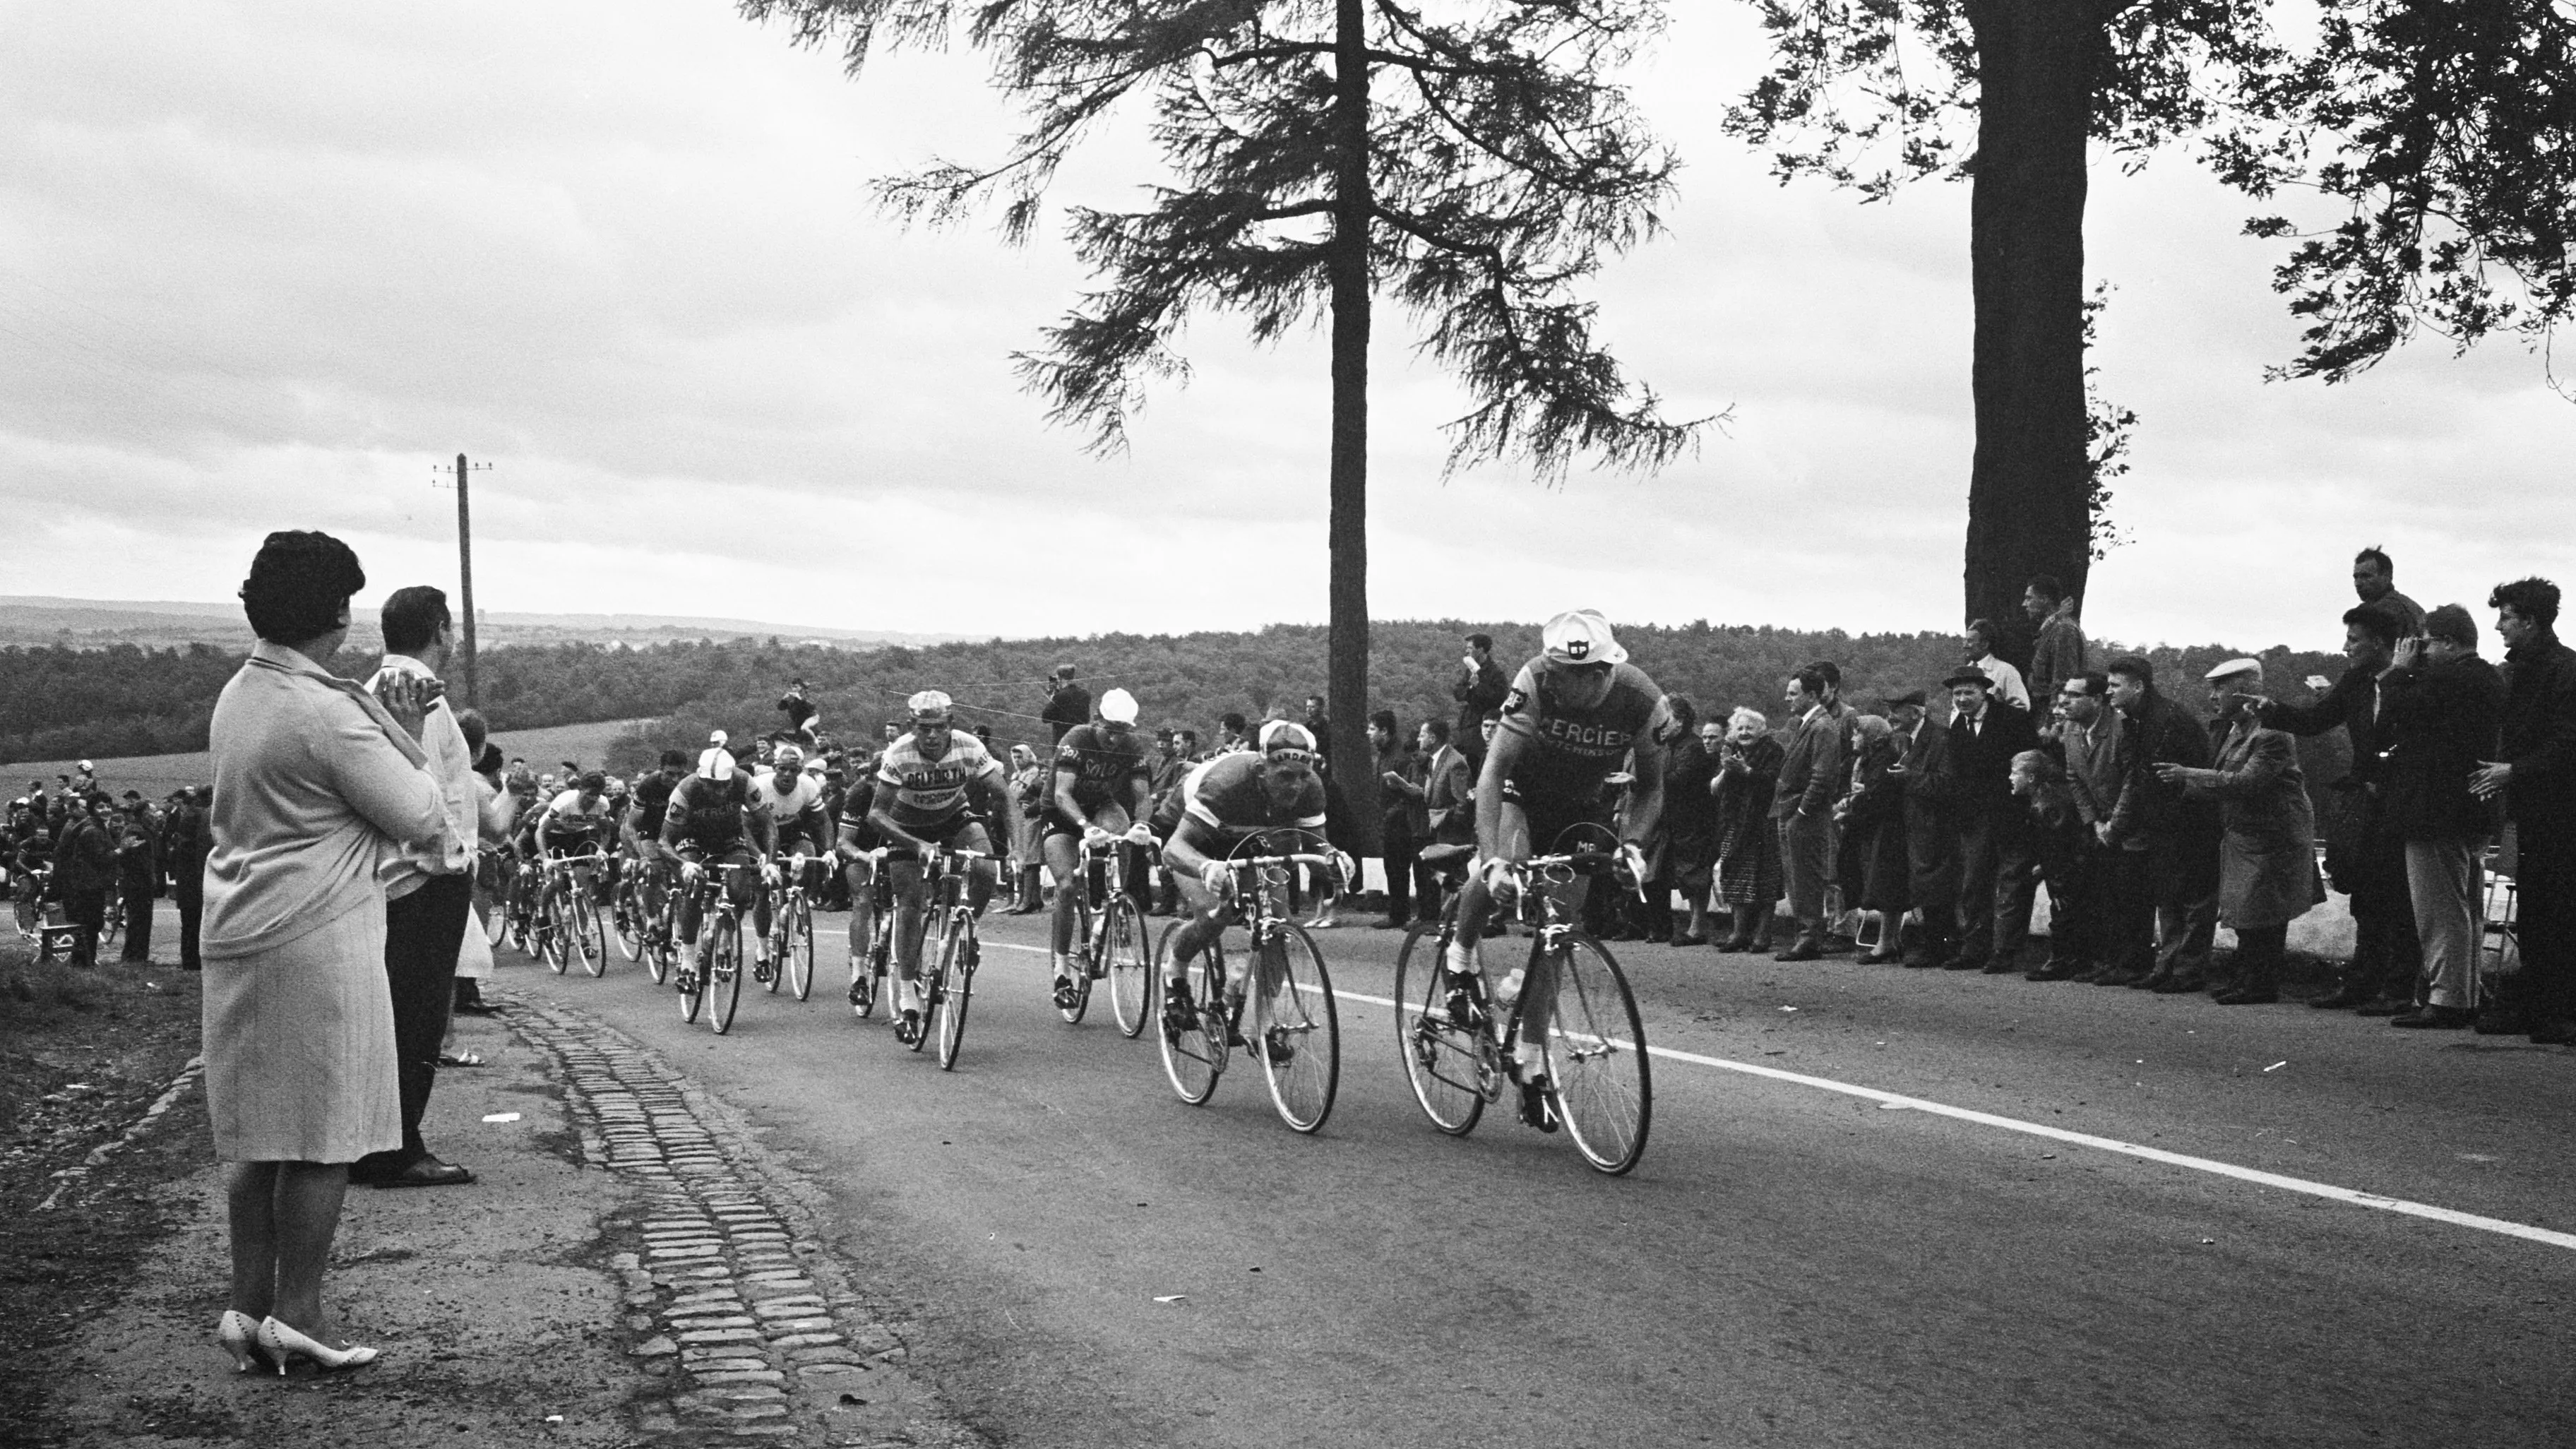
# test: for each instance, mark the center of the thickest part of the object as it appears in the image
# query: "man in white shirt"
(429, 892)
(2008, 685)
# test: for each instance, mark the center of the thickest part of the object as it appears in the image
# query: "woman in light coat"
(316, 781)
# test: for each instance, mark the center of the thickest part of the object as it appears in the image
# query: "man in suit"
(2367, 855)
(84, 872)
(1931, 834)
(1448, 811)
(2534, 772)
(1996, 881)
(1802, 805)
(2443, 707)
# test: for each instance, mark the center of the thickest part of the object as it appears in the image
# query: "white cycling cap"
(714, 763)
(1118, 707)
(930, 707)
(1295, 741)
(718, 739)
(1580, 636)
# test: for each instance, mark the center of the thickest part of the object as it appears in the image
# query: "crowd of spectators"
(75, 847)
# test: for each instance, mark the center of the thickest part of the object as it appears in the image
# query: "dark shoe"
(1964, 963)
(2502, 1021)
(2435, 1018)
(1538, 1104)
(907, 1029)
(2554, 1033)
(2177, 985)
(1391, 923)
(1685, 938)
(2250, 996)
(1999, 966)
(1729, 944)
(1925, 960)
(2345, 997)
(2388, 1006)
(1066, 993)
(1179, 1016)
(477, 1008)
(2134, 980)
(1836, 943)
(1804, 950)
(427, 1172)
(1881, 958)
(2055, 971)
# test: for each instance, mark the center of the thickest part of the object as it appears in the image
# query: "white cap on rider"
(1118, 707)
(714, 763)
(930, 707)
(1281, 737)
(1580, 636)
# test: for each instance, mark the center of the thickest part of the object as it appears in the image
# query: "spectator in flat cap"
(2365, 853)
(1995, 868)
(2267, 865)
(2444, 707)
(1931, 834)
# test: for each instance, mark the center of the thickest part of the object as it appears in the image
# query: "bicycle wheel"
(774, 945)
(1596, 1056)
(724, 973)
(658, 950)
(1194, 1046)
(797, 962)
(496, 920)
(24, 903)
(693, 987)
(1083, 947)
(551, 934)
(1131, 968)
(1299, 1040)
(628, 913)
(957, 952)
(1445, 1060)
(588, 936)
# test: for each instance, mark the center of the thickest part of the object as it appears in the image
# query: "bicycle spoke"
(1444, 1058)
(1299, 1044)
(1596, 1057)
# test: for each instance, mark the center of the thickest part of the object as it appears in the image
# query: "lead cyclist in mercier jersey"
(1575, 714)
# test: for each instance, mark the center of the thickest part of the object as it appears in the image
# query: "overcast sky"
(264, 265)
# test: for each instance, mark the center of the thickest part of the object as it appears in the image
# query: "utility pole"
(465, 565)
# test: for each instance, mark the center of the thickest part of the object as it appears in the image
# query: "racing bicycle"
(1295, 1028)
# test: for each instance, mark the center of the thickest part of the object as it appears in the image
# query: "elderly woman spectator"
(1687, 830)
(316, 781)
(1027, 787)
(1873, 863)
(1749, 878)
(2267, 863)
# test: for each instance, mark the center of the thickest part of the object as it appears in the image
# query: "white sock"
(1531, 1057)
(907, 995)
(1063, 965)
(1461, 958)
(689, 956)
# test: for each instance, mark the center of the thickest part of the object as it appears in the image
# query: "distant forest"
(60, 702)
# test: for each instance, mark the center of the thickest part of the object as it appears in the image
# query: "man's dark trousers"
(423, 932)
(190, 893)
(1405, 877)
(137, 894)
(86, 909)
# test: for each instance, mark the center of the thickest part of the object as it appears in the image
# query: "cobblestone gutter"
(732, 1303)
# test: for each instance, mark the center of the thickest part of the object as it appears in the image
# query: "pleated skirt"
(299, 1047)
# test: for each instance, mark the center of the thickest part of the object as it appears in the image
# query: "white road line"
(2329, 1191)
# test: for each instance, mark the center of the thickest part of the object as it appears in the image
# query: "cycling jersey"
(1570, 751)
(567, 819)
(797, 807)
(1103, 768)
(652, 796)
(708, 814)
(928, 792)
(1227, 795)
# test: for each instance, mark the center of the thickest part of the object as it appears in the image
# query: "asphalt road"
(1790, 1265)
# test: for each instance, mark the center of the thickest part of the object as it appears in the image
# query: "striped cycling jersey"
(927, 791)
(797, 811)
(1570, 751)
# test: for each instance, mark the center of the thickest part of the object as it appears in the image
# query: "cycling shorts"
(1058, 823)
(1550, 816)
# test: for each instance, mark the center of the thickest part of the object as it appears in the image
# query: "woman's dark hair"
(1685, 714)
(297, 585)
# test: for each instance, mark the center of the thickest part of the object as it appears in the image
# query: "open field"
(158, 775)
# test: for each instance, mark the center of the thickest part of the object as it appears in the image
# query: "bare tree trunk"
(2027, 487)
(1347, 645)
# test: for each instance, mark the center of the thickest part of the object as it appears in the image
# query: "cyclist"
(1100, 791)
(1574, 716)
(857, 840)
(639, 834)
(578, 819)
(793, 801)
(1238, 794)
(710, 821)
(924, 784)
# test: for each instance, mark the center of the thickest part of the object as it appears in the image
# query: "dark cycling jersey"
(1570, 751)
(707, 814)
(652, 795)
(1104, 770)
(1225, 799)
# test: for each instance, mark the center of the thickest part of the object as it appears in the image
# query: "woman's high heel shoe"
(286, 1345)
(238, 1334)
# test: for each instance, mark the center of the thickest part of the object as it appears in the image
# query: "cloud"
(267, 265)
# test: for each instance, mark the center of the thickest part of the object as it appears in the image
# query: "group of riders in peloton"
(1574, 716)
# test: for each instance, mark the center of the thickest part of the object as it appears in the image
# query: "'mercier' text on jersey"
(928, 791)
(1103, 769)
(1570, 751)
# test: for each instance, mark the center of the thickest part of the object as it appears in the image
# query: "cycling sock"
(1530, 1057)
(1462, 958)
(907, 995)
(1063, 965)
